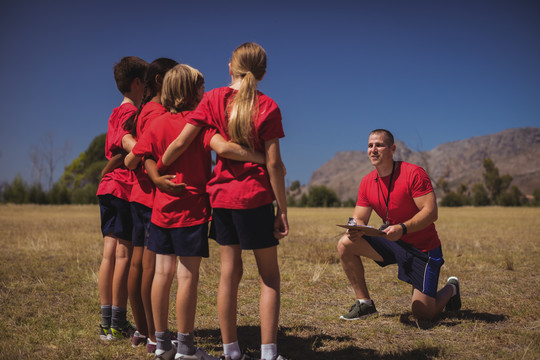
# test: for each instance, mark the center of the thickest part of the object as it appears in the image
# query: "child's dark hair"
(128, 69)
(153, 80)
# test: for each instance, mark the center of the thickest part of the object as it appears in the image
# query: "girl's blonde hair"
(180, 88)
(249, 63)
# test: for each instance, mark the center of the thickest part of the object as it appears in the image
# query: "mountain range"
(514, 151)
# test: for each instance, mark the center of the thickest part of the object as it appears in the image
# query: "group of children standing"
(156, 206)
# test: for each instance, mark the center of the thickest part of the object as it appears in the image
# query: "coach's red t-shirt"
(193, 167)
(410, 181)
(118, 182)
(143, 190)
(236, 184)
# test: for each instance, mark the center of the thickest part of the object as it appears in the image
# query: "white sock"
(366, 301)
(268, 351)
(233, 350)
(454, 289)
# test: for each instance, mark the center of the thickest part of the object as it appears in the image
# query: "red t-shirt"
(143, 190)
(410, 181)
(193, 167)
(237, 184)
(119, 181)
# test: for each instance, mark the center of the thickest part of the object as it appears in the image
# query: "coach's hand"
(355, 235)
(394, 232)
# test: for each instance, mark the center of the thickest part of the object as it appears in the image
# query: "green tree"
(495, 184)
(443, 185)
(295, 186)
(322, 196)
(453, 199)
(479, 195)
(536, 194)
(349, 203)
(17, 191)
(512, 197)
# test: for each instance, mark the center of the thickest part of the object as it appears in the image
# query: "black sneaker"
(126, 331)
(105, 333)
(360, 311)
(454, 304)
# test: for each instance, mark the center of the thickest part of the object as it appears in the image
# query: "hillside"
(514, 151)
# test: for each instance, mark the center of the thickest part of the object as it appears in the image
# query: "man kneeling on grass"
(402, 195)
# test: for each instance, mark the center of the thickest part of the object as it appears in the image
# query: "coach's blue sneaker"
(360, 311)
(454, 304)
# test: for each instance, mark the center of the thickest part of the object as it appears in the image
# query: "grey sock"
(106, 313)
(118, 318)
(163, 339)
(185, 344)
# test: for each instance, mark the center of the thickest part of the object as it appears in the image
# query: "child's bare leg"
(106, 270)
(149, 267)
(134, 290)
(269, 304)
(161, 286)
(231, 274)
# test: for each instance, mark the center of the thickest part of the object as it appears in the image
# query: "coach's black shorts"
(420, 269)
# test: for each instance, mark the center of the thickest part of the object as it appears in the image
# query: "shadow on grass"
(451, 319)
(306, 347)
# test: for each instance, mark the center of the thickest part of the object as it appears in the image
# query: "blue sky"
(429, 71)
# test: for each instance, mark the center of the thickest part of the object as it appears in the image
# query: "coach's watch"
(404, 228)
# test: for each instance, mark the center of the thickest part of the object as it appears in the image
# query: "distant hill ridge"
(514, 151)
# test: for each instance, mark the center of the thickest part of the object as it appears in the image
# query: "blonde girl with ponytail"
(242, 193)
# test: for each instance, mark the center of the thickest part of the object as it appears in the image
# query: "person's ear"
(230, 71)
(158, 80)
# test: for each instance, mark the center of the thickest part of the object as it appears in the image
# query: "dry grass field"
(49, 306)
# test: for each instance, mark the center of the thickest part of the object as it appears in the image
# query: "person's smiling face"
(380, 152)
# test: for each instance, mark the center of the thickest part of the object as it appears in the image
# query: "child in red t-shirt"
(179, 224)
(242, 194)
(114, 193)
(143, 260)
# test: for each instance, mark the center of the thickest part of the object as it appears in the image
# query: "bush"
(453, 199)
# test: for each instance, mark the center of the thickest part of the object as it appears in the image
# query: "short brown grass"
(49, 302)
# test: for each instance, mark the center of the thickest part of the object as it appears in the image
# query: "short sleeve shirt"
(410, 181)
(193, 168)
(143, 189)
(237, 184)
(118, 182)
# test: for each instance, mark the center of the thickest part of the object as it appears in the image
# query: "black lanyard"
(387, 200)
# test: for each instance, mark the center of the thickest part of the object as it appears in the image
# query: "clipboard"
(368, 230)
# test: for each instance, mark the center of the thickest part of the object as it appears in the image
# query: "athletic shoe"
(360, 311)
(150, 347)
(280, 358)
(105, 333)
(243, 357)
(165, 355)
(126, 331)
(138, 339)
(454, 304)
(199, 355)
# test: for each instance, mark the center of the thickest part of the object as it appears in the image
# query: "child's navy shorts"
(420, 269)
(115, 217)
(251, 228)
(182, 241)
(141, 215)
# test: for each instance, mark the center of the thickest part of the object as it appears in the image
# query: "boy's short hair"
(128, 69)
